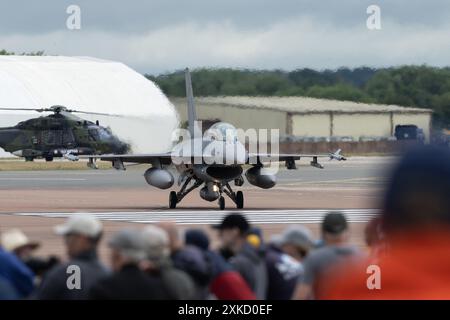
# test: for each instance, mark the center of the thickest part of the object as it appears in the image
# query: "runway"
(350, 171)
(208, 217)
(353, 184)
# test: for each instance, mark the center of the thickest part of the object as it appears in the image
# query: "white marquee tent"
(89, 84)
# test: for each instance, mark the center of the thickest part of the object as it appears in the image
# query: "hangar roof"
(84, 83)
(304, 105)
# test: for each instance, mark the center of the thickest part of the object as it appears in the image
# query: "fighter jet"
(212, 161)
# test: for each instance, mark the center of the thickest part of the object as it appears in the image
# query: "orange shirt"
(415, 266)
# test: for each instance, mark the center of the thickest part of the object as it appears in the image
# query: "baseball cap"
(297, 235)
(334, 223)
(14, 239)
(80, 224)
(232, 221)
(129, 242)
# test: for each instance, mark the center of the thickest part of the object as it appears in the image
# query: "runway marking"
(199, 217)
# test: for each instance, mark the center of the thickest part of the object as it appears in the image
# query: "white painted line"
(198, 217)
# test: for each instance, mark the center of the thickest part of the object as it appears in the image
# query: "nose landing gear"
(173, 200)
(221, 203)
(237, 197)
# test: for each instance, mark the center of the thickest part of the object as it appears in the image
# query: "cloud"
(287, 44)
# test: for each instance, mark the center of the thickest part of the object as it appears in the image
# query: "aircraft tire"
(173, 199)
(222, 203)
(239, 199)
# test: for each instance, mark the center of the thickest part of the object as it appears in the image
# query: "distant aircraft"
(60, 134)
(216, 164)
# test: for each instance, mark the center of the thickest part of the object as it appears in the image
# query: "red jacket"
(415, 266)
(230, 285)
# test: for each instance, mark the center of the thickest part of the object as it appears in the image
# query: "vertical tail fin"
(192, 115)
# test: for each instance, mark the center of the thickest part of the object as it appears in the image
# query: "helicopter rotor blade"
(95, 113)
(60, 109)
(25, 109)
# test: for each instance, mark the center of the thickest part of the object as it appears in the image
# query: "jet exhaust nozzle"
(258, 177)
(159, 178)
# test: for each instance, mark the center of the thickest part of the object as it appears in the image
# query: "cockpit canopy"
(222, 131)
(99, 133)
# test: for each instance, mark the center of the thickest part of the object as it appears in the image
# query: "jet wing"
(267, 157)
(261, 158)
(152, 158)
(168, 158)
(163, 158)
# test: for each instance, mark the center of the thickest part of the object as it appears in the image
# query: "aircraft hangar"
(309, 117)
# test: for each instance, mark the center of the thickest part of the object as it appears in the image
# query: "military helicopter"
(61, 134)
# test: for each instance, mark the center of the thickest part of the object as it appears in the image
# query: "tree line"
(4, 52)
(412, 86)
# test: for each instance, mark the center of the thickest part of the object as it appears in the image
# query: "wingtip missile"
(337, 156)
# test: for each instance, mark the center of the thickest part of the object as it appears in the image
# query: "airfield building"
(309, 117)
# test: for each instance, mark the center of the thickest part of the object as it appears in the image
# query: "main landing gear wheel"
(173, 199)
(239, 200)
(176, 197)
(222, 203)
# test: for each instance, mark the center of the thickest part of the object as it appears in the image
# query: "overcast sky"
(154, 36)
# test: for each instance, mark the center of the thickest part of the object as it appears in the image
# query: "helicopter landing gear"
(91, 164)
(29, 159)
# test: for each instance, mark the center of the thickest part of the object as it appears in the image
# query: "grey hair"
(156, 242)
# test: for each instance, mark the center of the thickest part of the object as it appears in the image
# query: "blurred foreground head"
(16, 241)
(81, 232)
(127, 248)
(296, 241)
(173, 233)
(335, 228)
(418, 192)
(233, 231)
(197, 238)
(156, 244)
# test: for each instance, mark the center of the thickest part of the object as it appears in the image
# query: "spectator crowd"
(408, 243)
